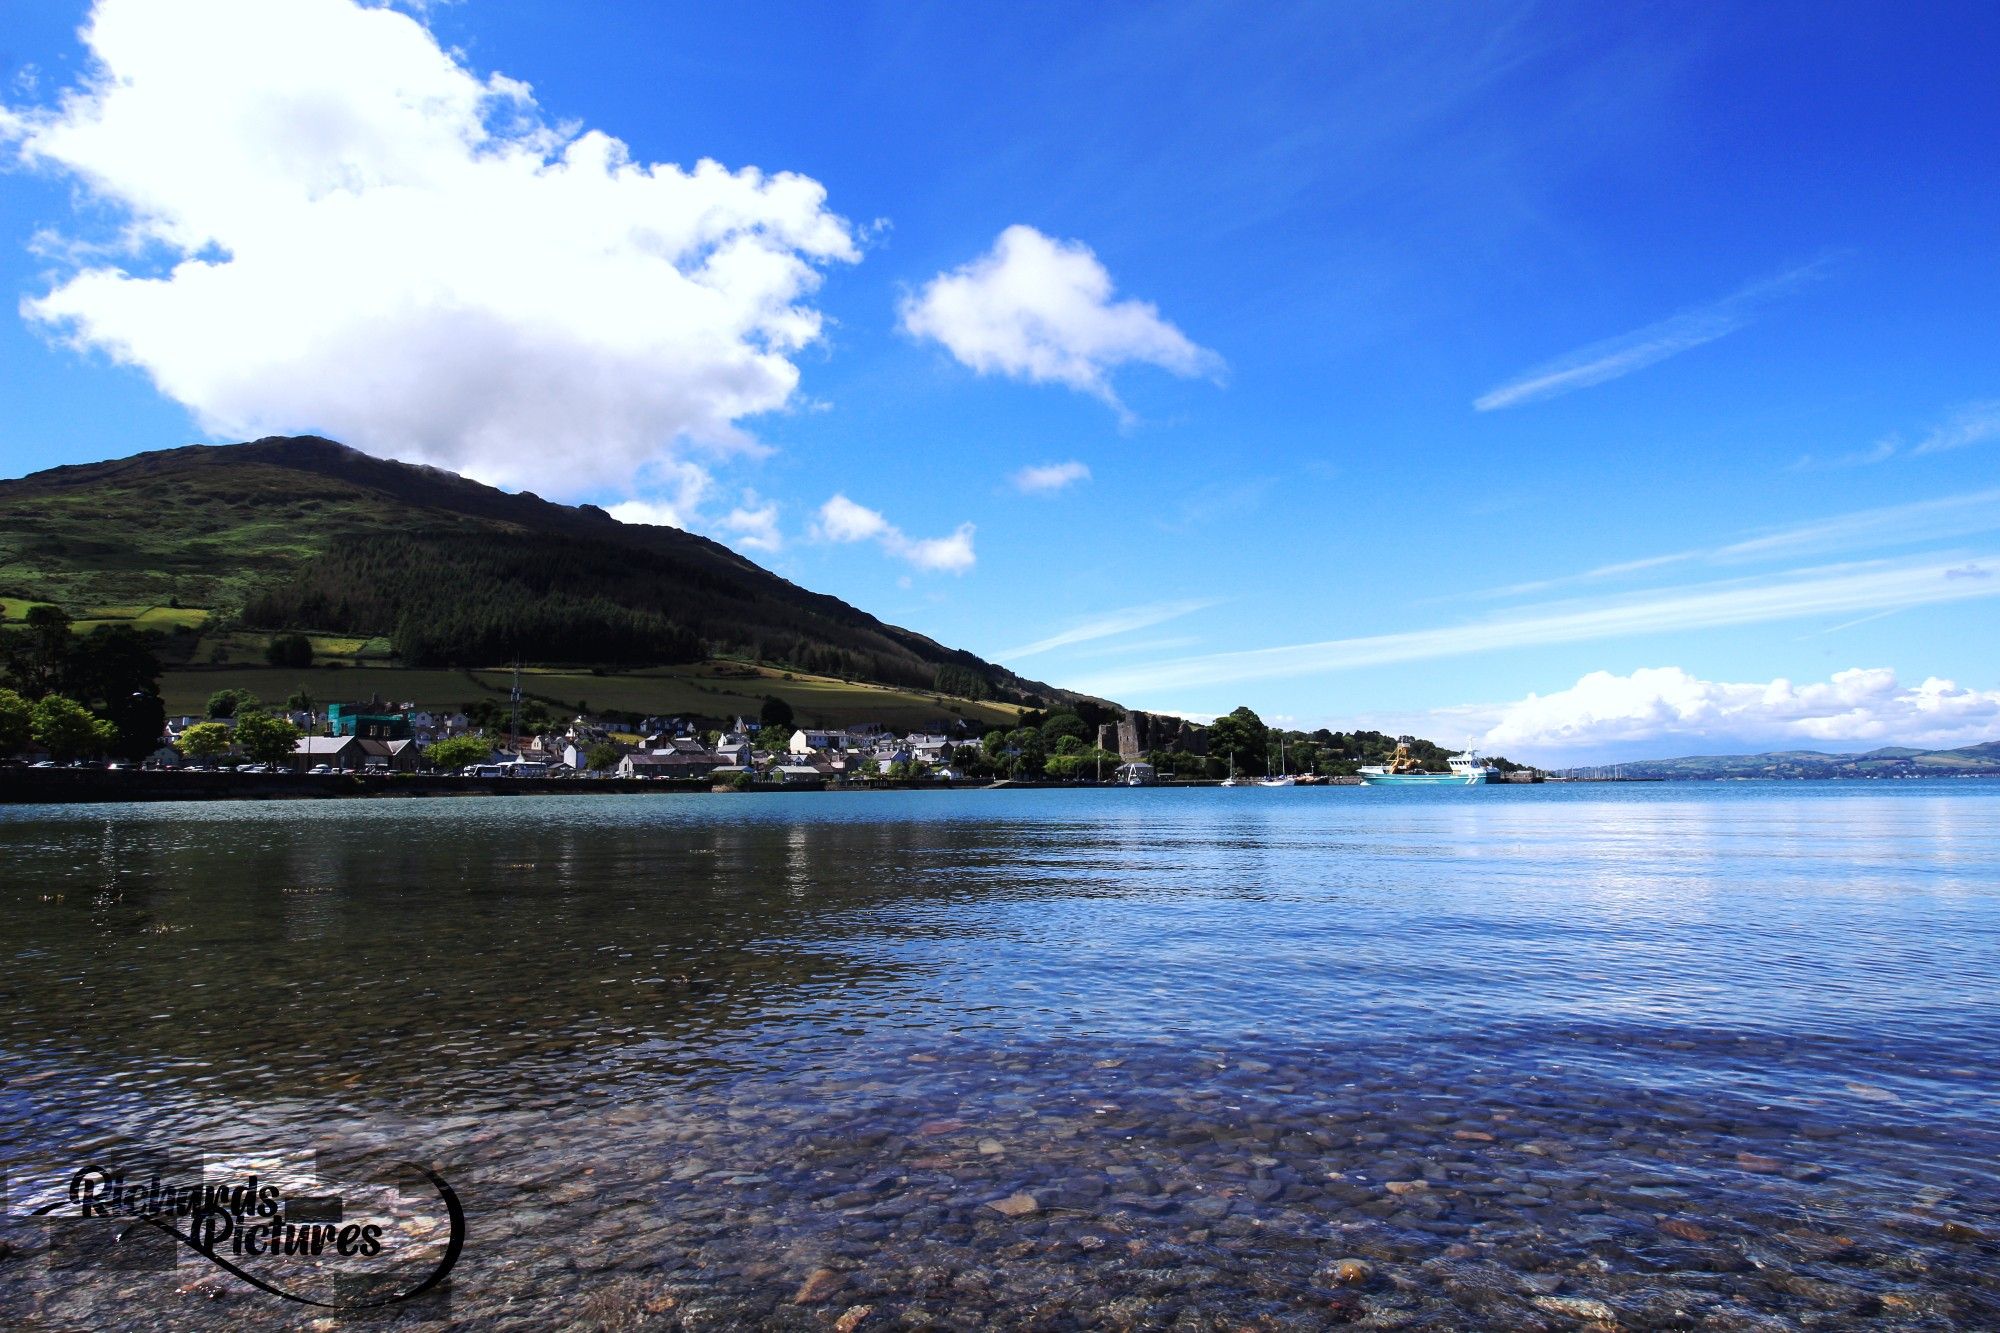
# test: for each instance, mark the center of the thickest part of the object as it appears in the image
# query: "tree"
(205, 740)
(457, 752)
(963, 682)
(114, 672)
(44, 650)
(776, 739)
(267, 739)
(485, 714)
(16, 728)
(1060, 725)
(300, 702)
(1241, 735)
(776, 713)
(603, 755)
(1082, 764)
(289, 650)
(1029, 752)
(230, 702)
(66, 729)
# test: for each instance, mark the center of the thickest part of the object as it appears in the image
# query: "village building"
(372, 720)
(402, 756)
(668, 764)
(805, 741)
(343, 753)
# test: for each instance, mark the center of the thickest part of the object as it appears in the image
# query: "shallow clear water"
(1711, 1055)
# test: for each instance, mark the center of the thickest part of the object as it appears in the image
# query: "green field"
(138, 617)
(710, 689)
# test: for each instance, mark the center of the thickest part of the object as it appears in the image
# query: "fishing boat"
(1466, 770)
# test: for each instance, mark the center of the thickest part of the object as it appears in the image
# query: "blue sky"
(1596, 381)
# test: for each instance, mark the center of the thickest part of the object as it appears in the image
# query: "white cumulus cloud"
(1863, 706)
(676, 493)
(325, 222)
(1040, 309)
(1049, 477)
(753, 524)
(842, 520)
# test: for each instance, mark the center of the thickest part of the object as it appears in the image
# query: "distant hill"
(302, 534)
(1981, 760)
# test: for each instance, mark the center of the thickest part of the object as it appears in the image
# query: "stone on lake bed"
(1406, 1186)
(1759, 1165)
(1675, 1226)
(1577, 1307)
(1016, 1205)
(1472, 1135)
(821, 1285)
(991, 1147)
(851, 1319)
(1351, 1273)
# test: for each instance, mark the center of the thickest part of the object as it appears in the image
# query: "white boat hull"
(1474, 779)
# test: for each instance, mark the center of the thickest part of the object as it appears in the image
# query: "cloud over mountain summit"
(320, 220)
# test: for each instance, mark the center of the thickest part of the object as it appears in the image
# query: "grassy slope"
(203, 527)
(205, 541)
(711, 689)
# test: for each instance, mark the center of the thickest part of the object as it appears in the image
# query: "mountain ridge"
(1889, 761)
(304, 533)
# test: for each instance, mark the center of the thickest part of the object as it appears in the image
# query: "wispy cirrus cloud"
(1940, 519)
(1794, 594)
(1165, 643)
(1615, 357)
(1879, 452)
(1975, 423)
(1122, 621)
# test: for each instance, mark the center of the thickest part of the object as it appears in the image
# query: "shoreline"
(61, 786)
(73, 786)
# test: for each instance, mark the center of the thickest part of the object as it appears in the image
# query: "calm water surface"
(1675, 1056)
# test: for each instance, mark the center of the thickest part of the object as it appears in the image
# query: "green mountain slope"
(301, 533)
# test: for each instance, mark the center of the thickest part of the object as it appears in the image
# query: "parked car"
(322, 768)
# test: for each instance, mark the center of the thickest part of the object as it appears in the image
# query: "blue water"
(1769, 963)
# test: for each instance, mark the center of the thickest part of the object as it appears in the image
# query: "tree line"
(78, 695)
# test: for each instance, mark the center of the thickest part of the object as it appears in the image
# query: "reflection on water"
(1201, 1032)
